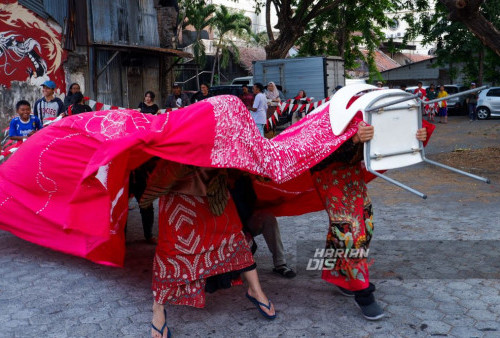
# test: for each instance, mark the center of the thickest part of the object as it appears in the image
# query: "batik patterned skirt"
(343, 191)
(193, 245)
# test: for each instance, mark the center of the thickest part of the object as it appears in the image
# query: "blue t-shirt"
(21, 128)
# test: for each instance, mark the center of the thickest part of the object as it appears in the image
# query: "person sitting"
(23, 126)
(273, 95)
(148, 106)
(78, 105)
(177, 99)
(202, 94)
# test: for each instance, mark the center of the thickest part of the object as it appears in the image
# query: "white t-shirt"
(260, 102)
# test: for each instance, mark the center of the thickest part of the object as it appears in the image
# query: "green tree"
(476, 16)
(346, 29)
(294, 16)
(456, 43)
(199, 15)
(227, 23)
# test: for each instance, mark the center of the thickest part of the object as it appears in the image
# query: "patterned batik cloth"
(193, 245)
(342, 189)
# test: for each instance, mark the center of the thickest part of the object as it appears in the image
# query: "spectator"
(432, 108)
(24, 125)
(259, 107)
(73, 88)
(472, 103)
(432, 92)
(420, 91)
(443, 109)
(380, 84)
(273, 95)
(246, 97)
(78, 105)
(301, 97)
(403, 87)
(202, 94)
(48, 106)
(177, 99)
(148, 106)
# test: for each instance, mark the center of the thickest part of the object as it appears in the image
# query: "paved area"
(50, 294)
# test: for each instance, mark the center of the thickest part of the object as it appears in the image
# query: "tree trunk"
(278, 48)
(216, 59)
(467, 12)
(480, 74)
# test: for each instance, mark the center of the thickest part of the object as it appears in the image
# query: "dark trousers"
(472, 111)
(138, 181)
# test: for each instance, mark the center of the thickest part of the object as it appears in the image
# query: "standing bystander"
(246, 97)
(443, 106)
(259, 107)
(472, 103)
(48, 106)
(177, 99)
(24, 125)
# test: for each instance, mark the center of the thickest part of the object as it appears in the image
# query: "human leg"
(255, 292)
(148, 217)
(265, 223)
(261, 129)
(159, 326)
(349, 233)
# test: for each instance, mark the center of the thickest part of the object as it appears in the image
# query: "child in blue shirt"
(25, 124)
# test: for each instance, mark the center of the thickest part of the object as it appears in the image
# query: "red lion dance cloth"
(66, 188)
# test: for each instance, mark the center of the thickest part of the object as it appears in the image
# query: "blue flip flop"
(259, 304)
(169, 334)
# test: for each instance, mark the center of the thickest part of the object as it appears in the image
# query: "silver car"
(488, 103)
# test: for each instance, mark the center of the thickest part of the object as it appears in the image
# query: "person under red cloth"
(201, 245)
(340, 182)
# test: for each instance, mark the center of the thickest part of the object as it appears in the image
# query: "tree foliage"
(228, 23)
(455, 42)
(345, 30)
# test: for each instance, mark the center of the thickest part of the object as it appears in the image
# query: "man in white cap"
(48, 106)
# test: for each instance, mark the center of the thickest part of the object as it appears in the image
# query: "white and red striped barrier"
(289, 108)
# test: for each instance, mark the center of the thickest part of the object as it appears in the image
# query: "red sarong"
(194, 244)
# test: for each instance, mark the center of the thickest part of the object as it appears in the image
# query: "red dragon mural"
(30, 48)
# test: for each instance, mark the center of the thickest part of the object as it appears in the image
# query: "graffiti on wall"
(30, 49)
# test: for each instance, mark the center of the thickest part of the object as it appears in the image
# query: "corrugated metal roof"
(57, 9)
(36, 6)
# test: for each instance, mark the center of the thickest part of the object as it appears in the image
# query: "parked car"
(226, 90)
(457, 104)
(488, 103)
(245, 80)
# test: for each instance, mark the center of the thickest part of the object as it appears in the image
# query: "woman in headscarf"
(273, 95)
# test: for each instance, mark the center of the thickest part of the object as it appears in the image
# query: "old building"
(115, 50)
